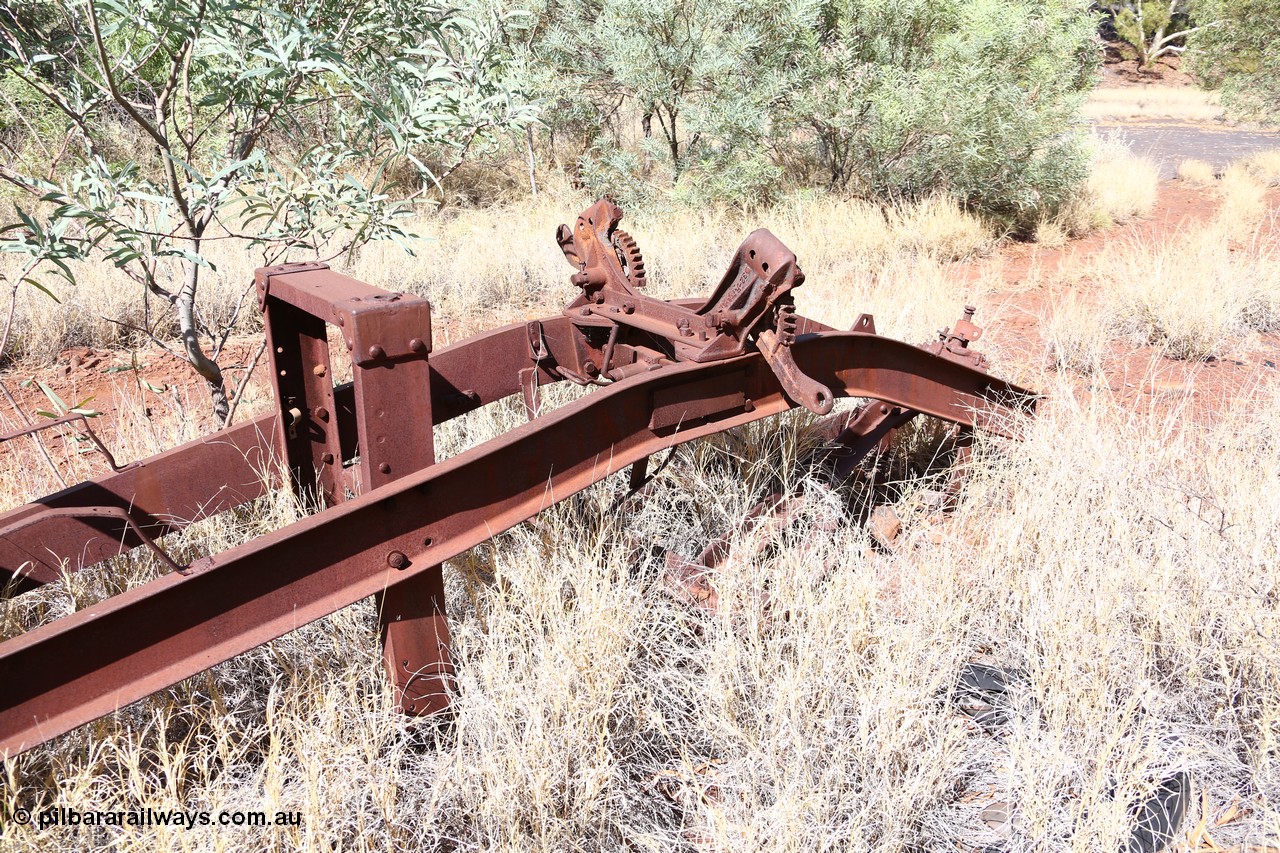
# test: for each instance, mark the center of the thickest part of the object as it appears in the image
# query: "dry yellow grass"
(1073, 337)
(1115, 103)
(1120, 186)
(483, 267)
(1197, 173)
(1244, 202)
(1122, 563)
(1195, 293)
(1264, 165)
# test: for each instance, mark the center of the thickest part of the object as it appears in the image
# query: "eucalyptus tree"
(280, 125)
(1154, 28)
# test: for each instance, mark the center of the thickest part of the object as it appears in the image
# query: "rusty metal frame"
(410, 513)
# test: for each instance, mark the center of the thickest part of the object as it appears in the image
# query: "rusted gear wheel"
(629, 255)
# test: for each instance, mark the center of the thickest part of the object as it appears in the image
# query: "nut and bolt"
(397, 560)
(418, 345)
(376, 351)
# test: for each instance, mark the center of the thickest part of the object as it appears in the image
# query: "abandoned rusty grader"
(387, 513)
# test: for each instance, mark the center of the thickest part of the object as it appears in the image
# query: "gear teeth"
(787, 324)
(629, 254)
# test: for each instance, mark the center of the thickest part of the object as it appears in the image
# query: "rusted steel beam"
(389, 338)
(676, 370)
(213, 474)
(167, 492)
(118, 651)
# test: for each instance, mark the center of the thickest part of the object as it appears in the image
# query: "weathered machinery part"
(813, 395)
(691, 580)
(180, 624)
(985, 694)
(758, 285)
(1160, 817)
(667, 381)
(629, 255)
(851, 438)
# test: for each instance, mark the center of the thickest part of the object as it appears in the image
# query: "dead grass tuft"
(1197, 173)
(1121, 186)
(1152, 102)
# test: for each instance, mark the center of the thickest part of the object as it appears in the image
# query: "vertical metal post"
(301, 377)
(389, 338)
(393, 411)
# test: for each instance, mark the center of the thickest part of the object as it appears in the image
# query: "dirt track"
(1170, 142)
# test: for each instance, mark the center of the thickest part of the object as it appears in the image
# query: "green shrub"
(1239, 53)
(977, 99)
(885, 98)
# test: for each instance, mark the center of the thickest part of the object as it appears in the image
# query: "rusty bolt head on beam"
(418, 345)
(376, 351)
(397, 560)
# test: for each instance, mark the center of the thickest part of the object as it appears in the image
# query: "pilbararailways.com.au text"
(177, 818)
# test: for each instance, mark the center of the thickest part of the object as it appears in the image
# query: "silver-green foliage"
(1241, 53)
(976, 98)
(972, 97)
(1154, 28)
(280, 125)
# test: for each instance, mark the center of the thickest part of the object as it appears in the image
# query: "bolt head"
(384, 468)
(418, 345)
(376, 351)
(397, 560)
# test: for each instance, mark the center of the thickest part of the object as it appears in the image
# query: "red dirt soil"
(1140, 378)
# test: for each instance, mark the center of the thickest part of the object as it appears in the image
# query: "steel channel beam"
(116, 652)
(166, 492)
(202, 478)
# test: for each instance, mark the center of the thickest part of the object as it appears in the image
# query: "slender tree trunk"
(528, 143)
(646, 124)
(205, 366)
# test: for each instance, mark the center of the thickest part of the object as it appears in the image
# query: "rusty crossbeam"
(210, 475)
(673, 372)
